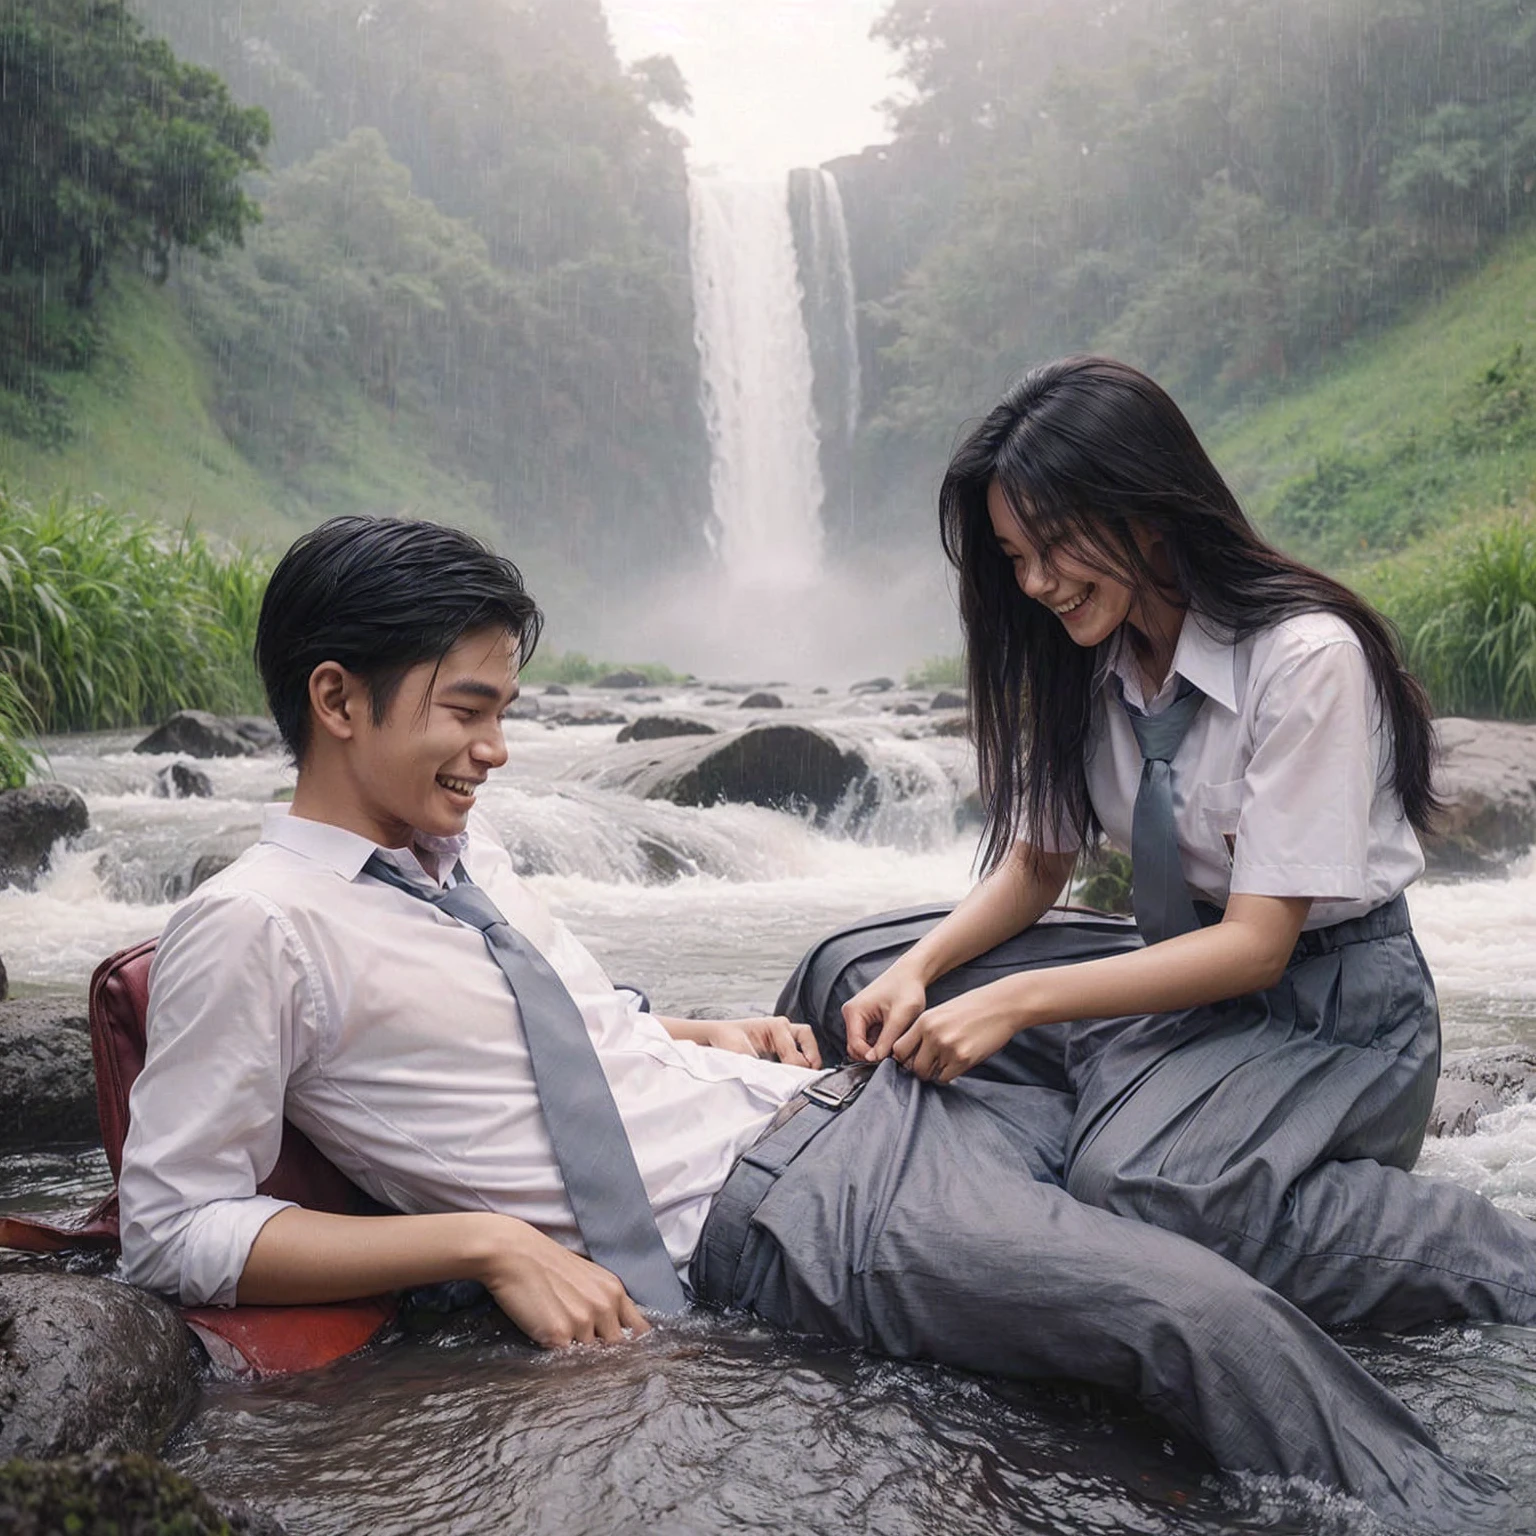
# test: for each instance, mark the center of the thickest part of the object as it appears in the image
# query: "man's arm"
(776, 1039)
(555, 1296)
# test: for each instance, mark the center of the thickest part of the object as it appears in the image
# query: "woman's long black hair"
(1086, 451)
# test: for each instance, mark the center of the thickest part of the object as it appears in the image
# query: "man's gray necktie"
(1159, 893)
(596, 1160)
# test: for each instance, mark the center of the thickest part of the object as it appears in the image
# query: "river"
(709, 1425)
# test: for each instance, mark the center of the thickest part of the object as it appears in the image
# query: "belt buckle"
(840, 1090)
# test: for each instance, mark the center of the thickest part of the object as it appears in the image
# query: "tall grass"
(17, 723)
(1469, 621)
(109, 621)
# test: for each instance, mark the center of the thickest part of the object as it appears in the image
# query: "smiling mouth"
(459, 786)
(1067, 609)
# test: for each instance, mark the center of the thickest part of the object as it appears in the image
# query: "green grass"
(573, 668)
(937, 672)
(18, 760)
(1407, 433)
(110, 620)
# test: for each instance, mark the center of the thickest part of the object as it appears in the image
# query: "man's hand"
(946, 1041)
(879, 1015)
(555, 1296)
(776, 1039)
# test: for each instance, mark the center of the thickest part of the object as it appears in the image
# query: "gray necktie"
(596, 1160)
(1159, 893)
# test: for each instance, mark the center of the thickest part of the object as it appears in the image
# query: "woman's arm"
(1246, 952)
(1012, 897)
(555, 1296)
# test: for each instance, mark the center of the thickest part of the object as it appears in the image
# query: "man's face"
(420, 768)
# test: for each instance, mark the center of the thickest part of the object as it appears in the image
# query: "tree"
(108, 144)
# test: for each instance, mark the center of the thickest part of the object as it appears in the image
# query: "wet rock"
(664, 862)
(715, 703)
(659, 727)
(586, 714)
(642, 698)
(127, 1495)
(32, 820)
(946, 698)
(1475, 1083)
(557, 691)
(47, 1080)
(181, 781)
(209, 865)
(261, 732)
(5, 981)
(783, 767)
(198, 734)
(1487, 775)
(87, 1364)
(953, 725)
(821, 689)
(907, 708)
(969, 815)
(523, 708)
(761, 700)
(874, 685)
(622, 679)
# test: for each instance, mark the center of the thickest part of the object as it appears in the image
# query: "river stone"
(1474, 1083)
(659, 727)
(198, 734)
(946, 698)
(124, 1495)
(47, 1079)
(32, 820)
(261, 732)
(622, 679)
(88, 1364)
(642, 698)
(874, 685)
(783, 767)
(181, 781)
(761, 700)
(5, 981)
(586, 714)
(557, 691)
(523, 708)
(907, 707)
(1487, 776)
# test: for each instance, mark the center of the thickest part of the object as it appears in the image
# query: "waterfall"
(765, 472)
(831, 316)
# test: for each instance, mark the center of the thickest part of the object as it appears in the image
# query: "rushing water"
(713, 1425)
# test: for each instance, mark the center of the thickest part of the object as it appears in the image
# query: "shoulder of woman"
(1286, 644)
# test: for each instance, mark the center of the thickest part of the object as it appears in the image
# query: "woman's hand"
(946, 1041)
(774, 1039)
(881, 1013)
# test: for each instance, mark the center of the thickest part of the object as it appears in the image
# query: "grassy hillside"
(1427, 426)
(146, 441)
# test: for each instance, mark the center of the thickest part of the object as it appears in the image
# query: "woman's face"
(1091, 603)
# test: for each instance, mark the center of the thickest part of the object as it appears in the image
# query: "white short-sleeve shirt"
(1283, 786)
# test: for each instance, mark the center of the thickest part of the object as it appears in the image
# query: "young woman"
(1144, 667)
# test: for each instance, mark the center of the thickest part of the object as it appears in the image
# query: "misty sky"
(776, 83)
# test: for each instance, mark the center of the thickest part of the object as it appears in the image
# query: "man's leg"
(915, 1225)
(1267, 1129)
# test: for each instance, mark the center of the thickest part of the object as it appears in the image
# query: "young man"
(374, 970)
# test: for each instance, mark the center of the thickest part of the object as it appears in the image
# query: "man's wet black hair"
(379, 595)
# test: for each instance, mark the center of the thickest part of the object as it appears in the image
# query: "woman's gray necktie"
(596, 1161)
(1159, 892)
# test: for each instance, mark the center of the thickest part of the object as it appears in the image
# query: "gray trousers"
(1276, 1129)
(930, 1223)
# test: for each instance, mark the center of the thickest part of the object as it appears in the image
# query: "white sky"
(776, 83)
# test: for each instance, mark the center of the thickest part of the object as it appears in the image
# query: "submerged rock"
(624, 678)
(181, 781)
(198, 734)
(1477, 1082)
(47, 1079)
(524, 707)
(586, 714)
(873, 685)
(126, 1495)
(87, 1364)
(659, 727)
(783, 767)
(1487, 775)
(5, 981)
(946, 698)
(557, 691)
(261, 732)
(32, 820)
(761, 700)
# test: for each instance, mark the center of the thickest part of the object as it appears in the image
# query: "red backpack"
(263, 1340)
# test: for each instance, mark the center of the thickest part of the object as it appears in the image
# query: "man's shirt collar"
(346, 852)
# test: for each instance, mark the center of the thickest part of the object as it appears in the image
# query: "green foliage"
(574, 669)
(17, 724)
(108, 621)
(1224, 191)
(1103, 881)
(937, 672)
(107, 1494)
(1469, 621)
(108, 146)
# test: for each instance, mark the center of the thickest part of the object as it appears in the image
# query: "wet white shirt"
(293, 985)
(1283, 785)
